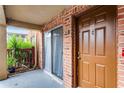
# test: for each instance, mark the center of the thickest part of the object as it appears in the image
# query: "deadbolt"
(93, 32)
(78, 56)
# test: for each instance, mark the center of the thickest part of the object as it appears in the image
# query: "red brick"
(121, 84)
(121, 67)
(121, 10)
(120, 22)
(121, 17)
(121, 28)
(121, 78)
(121, 73)
(120, 41)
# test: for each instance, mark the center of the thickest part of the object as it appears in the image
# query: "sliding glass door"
(47, 45)
(54, 52)
(57, 51)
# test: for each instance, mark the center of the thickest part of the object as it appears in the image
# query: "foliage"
(17, 42)
(12, 42)
(11, 61)
(26, 44)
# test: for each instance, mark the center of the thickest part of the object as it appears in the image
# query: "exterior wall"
(3, 71)
(120, 28)
(66, 18)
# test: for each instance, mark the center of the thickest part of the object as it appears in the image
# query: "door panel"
(97, 48)
(100, 75)
(86, 71)
(86, 42)
(100, 42)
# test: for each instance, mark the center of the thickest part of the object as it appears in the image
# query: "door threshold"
(54, 77)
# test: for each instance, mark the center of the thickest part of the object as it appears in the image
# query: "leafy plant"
(12, 42)
(20, 41)
(26, 44)
(11, 61)
(16, 42)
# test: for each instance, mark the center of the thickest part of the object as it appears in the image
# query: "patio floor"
(32, 79)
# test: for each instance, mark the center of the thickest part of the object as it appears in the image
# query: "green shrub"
(19, 41)
(15, 42)
(12, 42)
(11, 61)
(26, 44)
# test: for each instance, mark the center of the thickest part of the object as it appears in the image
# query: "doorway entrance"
(97, 48)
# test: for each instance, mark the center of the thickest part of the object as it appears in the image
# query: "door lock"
(93, 32)
(78, 56)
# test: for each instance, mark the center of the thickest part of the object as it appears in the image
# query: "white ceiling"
(35, 14)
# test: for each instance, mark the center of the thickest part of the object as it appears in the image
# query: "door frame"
(76, 42)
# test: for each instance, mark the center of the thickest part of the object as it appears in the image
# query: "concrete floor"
(32, 79)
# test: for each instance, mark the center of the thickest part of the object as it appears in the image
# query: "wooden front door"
(97, 48)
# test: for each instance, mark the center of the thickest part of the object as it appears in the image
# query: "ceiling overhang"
(33, 14)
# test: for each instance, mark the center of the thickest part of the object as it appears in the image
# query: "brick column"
(67, 49)
(69, 44)
(3, 68)
(40, 49)
(120, 28)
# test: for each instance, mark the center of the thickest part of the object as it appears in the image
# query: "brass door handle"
(78, 58)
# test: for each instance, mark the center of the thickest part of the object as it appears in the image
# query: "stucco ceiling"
(35, 14)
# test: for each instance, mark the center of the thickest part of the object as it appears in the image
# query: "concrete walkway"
(32, 79)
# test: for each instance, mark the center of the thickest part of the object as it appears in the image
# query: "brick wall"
(66, 19)
(120, 28)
